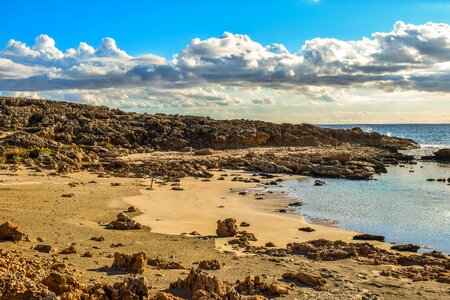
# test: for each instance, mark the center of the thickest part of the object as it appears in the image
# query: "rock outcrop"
(135, 263)
(67, 137)
(123, 222)
(227, 227)
(10, 232)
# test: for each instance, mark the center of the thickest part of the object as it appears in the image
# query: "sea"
(400, 205)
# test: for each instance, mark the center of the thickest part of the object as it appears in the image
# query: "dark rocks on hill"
(67, 137)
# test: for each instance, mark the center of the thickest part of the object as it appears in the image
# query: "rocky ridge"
(67, 137)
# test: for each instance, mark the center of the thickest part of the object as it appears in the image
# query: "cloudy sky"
(285, 61)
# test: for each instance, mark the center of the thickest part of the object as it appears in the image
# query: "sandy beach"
(201, 203)
(34, 201)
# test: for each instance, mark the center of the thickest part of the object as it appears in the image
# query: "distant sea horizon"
(427, 135)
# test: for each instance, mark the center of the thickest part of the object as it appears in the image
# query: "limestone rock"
(306, 278)
(226, 228)
(212, 264)
(123, 222)
(10, 231)
(135, 263)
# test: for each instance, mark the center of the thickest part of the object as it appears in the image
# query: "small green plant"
(39, 151)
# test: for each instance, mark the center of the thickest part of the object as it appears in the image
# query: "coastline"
(48, 218)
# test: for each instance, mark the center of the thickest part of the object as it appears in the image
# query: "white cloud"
(410, 57)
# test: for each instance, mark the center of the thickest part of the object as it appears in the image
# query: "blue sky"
(164, 27)
(324, 61)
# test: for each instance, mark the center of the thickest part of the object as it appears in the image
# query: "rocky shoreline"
(68, 137)
(66, 232)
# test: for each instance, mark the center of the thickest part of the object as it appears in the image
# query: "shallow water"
(400, 205)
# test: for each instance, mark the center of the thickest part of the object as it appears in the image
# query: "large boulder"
(135, 263)
(10, 232)
(227, 227)
(442, 155)
(123, 222)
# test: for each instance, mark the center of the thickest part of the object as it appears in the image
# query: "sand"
(201, 203)
(34, 201)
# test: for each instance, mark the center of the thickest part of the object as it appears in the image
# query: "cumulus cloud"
(410, 57)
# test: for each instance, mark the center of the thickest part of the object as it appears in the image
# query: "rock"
(60, 283)
(306, 229)
(69, 250)
(87, 254)
(306, 278)
(369, 237)
(205, 151)
(68, 195)
(244, 224)
(198, 280)
(165, 296)
(97, 239)
(135, 263)
(253, 285)
(407, 247)
(226, 228)
(318, 182)
(296, 204)
(46, 249)
(10, 232)
(269, 244)
(132, 209)
(162, 264)
(123, 222)
(213, 264)
(442, 155)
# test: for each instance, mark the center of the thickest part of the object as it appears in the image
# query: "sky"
(315, 61)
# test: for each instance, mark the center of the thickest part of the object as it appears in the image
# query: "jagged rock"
(60, 283)
(407, 247)
(226, 228)
(306, 278)
(213, 264)
(198, 280)
(123, 222)
(46, 249)
(253, 285)
(132, 209)
(135, 263)
(369, 237)
(159, 263)
(69, 250)
(165, 296)
(10, 232)
(97, 239)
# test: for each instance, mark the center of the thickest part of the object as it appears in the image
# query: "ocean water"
(427, 135)
(401, 205)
